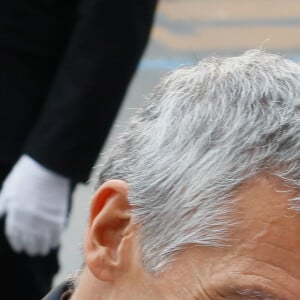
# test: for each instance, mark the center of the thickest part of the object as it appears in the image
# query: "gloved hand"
(35, 201)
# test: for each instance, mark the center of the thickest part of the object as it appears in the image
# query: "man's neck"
(89, 288)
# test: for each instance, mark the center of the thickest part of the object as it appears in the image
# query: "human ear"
(109, 226)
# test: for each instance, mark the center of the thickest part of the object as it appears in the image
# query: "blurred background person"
(65, 68)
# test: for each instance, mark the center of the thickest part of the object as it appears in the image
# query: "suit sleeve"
(107, 43)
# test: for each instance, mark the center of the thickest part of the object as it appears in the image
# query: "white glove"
(35, 201)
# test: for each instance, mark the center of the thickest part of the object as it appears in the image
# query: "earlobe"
(109, 225)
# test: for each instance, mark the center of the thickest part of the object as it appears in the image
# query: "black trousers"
(35, 273)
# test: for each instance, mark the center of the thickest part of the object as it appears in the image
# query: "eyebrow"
(257, 294)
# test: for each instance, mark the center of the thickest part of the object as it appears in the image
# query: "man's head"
(199, 198)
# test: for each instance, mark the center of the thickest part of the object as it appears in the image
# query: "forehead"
(264, 214)
(266, 242)
(264, 255)
(263, 258)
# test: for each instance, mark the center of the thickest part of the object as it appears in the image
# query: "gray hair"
(205, 130)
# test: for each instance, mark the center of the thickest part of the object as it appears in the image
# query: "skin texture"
(262, 262)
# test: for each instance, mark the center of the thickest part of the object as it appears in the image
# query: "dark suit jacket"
(64, 69)
(61, 292)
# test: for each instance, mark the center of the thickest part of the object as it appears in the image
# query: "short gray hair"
(205, 130)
